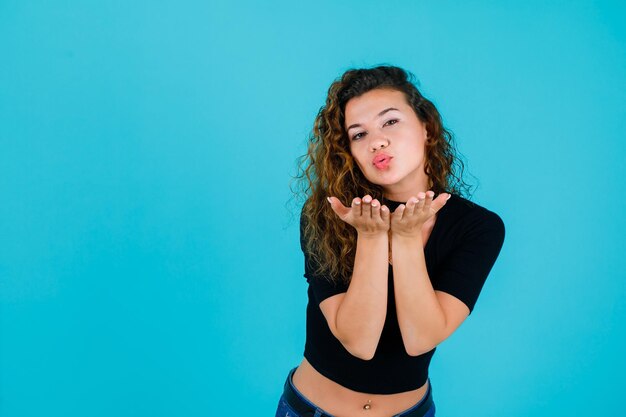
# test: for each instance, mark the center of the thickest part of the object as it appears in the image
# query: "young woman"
(395, 257)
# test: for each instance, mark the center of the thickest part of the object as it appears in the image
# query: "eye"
(392, 120)
(355, 137)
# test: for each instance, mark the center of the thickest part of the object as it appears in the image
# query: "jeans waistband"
(306, 408)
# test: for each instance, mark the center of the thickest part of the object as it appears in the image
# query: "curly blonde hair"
(328, 168)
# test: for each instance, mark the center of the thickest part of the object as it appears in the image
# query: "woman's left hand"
(408, 220)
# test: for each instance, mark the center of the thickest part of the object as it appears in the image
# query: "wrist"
(380, 234)
(407, 236)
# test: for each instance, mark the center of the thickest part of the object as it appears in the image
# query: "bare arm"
(360, 316)
(462, 275)
(362, 313)
(420, 315)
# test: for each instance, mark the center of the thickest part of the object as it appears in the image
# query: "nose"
(379, 142)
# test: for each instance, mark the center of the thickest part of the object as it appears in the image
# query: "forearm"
(420, 316)
(361, 316)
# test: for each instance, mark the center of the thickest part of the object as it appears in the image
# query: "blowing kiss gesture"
(369, 218)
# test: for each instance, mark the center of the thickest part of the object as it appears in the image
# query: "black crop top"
(460, 252)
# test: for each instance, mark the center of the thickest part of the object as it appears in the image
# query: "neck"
(403, 195)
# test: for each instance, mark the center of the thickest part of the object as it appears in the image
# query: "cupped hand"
(366, 215)
(407, 220)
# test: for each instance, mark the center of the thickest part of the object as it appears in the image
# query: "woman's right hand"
(365, 215)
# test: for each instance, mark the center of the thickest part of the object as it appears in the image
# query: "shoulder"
(470, 218)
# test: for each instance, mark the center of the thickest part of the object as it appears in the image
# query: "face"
(387, 140)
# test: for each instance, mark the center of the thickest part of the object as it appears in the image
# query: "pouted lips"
(381, 161)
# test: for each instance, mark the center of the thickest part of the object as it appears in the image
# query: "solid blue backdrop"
(149, 254)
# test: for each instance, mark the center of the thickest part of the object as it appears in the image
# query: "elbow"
(360, 347)
(417, 349)
(359, 351)
(419, 343)
(364, 355)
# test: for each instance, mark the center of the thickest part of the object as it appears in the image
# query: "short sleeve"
(464, 270)
(321, 286)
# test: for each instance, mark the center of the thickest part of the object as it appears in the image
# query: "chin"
(383, 179)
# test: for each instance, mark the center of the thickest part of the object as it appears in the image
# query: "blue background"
(149, 258)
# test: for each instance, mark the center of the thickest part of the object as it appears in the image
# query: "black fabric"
(460, 252)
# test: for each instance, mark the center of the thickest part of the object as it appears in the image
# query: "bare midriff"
(340, 401)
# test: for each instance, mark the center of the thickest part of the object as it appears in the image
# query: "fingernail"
(328, 198)
(449, 195)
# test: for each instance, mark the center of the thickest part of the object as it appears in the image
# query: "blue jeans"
(293, 400)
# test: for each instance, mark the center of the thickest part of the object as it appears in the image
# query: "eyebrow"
(379, 114)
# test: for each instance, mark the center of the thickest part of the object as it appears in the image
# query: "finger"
(421, 198)
(356, 206)
(367, 206)
(410, 206)
(375, 209)
(339, 209)
(399, 212)
(440, 201)
(428, 200)
(384, 214)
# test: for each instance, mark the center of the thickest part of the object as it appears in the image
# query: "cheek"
(360, 163)
(357, 155)
(419, 145)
